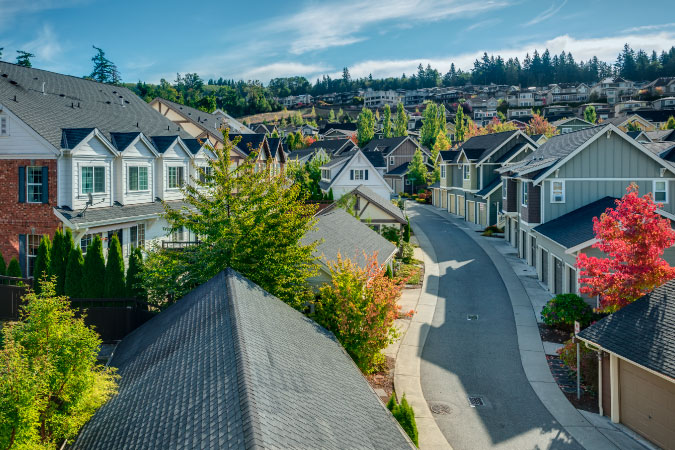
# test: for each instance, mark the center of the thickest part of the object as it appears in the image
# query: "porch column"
(614, 387)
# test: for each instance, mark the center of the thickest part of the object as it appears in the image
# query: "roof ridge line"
(250, 419)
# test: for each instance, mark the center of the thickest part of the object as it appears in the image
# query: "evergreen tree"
(58, 261)
(330, 194)
(429, 125)
(401, 126)
(590, 115)
(105, 71)
(460, 124)
(365, 127)
(24, 58)
(14, 269)
(75, 273)
(406, 230)
(670, 124)
(3, 266)
(388, 272)
(42, 263)
(340, 114)
(135, 275)
(331, 116)
(115, 285)
(441, 121)
(93, 280)
(386, 122)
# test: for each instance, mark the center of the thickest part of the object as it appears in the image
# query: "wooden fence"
(112, 318)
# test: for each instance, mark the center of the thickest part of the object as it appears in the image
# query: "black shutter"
(22, 184)
(366, 174)
(45, 184)
(351, 174)
(22, 254)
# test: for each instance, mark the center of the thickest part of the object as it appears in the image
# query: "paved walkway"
(501, 351)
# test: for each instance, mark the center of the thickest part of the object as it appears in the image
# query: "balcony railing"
(178, 245)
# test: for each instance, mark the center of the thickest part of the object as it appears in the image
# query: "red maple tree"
(633, 236)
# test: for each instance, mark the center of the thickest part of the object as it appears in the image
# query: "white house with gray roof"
(346, 172)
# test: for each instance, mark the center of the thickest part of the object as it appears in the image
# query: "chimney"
(43, 88)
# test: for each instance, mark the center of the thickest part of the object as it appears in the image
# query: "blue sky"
(150, 40)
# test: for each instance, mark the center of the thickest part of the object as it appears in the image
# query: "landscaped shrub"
(42, 261)
(494, 229)
(588, 362)
(407, 252)
(405, 416)
(14, 268)
(564, 309)
(58, 261)
(388, 272)
(391, 234)
(135, 275)
(74, 274)
(115, 285)
(93, 280)
(406, 230)
(488, 232)
(3, 266)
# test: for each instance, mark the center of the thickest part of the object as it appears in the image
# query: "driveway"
(478, 357)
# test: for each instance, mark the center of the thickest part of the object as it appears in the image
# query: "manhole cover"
(440, 409)
(472, 317)
(476, 401)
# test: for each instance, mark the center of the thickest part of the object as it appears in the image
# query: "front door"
(533, 251)
(544, 266)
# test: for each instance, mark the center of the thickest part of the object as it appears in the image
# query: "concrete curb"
(408, 359)
(532, 353)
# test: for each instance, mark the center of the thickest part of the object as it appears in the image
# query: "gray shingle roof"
(478, 147)
(339, 232)
(384, 145)
(376, 158)
(371, 196)
(642, 332)
(487, 189)
(398, 170)
(231, 366)
(333, 146)
(575, 227)
(205, 121)
(93, 216)
(76, 103)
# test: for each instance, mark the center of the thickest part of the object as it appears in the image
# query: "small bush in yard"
(589, 362)
(565, 309)
(407, 252)
(391, 234)
(405, 416)
(14, 268)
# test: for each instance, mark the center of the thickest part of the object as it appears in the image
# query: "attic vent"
(13, 82)
(62, 95)
(4, 75)
(114, 92)
(107, 101)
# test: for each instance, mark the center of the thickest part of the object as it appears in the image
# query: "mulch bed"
(384, 379)
(552, 334)
(567, 382)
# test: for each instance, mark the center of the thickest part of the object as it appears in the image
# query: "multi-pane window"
(360, 174)
(93, 180)
(661, 191)
(137, 236)
(85, 242)
(504, 184)
(524, 194)
(32, 244)
(325, 174)
(392, 161)
(466, 171)
(4, 126)
(443, 171)
(34, 184)
(205, 173)
(557, 191)
(178, 235)
(138, 178)
(175, 177)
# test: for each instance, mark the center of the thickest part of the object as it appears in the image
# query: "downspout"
(600, 382)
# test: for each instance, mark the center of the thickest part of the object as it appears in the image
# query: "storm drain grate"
(440, 409)
(472, 317)
(476, 401)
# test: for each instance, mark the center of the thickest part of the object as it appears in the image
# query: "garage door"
(443, 200)
(647, 404)
(453, 205)
(471, 211)
(460, 205)
(482, 214)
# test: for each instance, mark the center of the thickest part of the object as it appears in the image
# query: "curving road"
(480, 357)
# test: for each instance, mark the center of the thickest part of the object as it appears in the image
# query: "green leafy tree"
(42, 263)
(104, 71)
(401, 125)
(115, 285)
(365, 129)
(460, 124)
(244, 218)
(135, 275)
(442, 143)
(590, 114)
(75, 273)
(24, 58)
(313, 113)
(93, 280)
(14, 269)
(340, 114)
(387, 130)
(633, 126)
(50, 380)
(429, 125)
(670, 124)
(331, 116)
(359, 307)
(417, 170)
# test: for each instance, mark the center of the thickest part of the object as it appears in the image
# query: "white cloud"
(606, 49)
(550, 12)
(283, 69)
(650, 27)
(46, 45)
(323, 26)
(483, 24)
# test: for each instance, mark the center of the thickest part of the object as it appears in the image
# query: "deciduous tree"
(539, 125)
(365, 127)
(633, 236)
(418, 172)
(590, 114)
(401, 126)
(387, 131)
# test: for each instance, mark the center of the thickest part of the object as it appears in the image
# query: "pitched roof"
(661, 135)
(380, 202)
(448, 155)
(231, 366)
(399, 170)
(488, 189)
(338, 232)
(384, 145)
(575, 227)
(162, 143)
(75, 103)
(249, 142)
(478, 147)
(511, 153)
(337, 126)
(122, 140)
(108, 214)
(333, 146)
(205, 121)
(656, 115)
(642, 332)
(376, 158)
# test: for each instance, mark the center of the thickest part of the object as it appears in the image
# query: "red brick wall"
(23, 218)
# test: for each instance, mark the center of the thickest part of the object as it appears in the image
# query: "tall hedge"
(74, 273)
(3, 266)
(42, 262)
(135, 276)
(58, 260)
(93, 280)
(14, 268)
(115, 286)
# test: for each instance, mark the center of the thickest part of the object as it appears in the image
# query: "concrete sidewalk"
(528, 297)
(408, 349)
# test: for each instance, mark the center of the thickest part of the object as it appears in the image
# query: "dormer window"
(175, 177)
(4, 125)
(466, 172)
(93, 180)
(325, 174)
(138, 178)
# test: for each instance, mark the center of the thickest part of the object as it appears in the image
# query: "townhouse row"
(545, 197)
(97, 159)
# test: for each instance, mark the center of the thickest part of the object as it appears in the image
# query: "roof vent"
(136, 124)
(43, 88)
(62, 95)
(107, 101)
(4, 75)
(78, 104)
(114, 92)
(13, 82)
(122, 101)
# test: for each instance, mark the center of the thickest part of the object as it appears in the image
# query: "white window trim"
(443, 171)
(362, 174)
(524, 194)
(665, 202)
(34, 184)
(168, 176)
(465, 172)
(139, 166)
(563, 191)
(105, 179)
